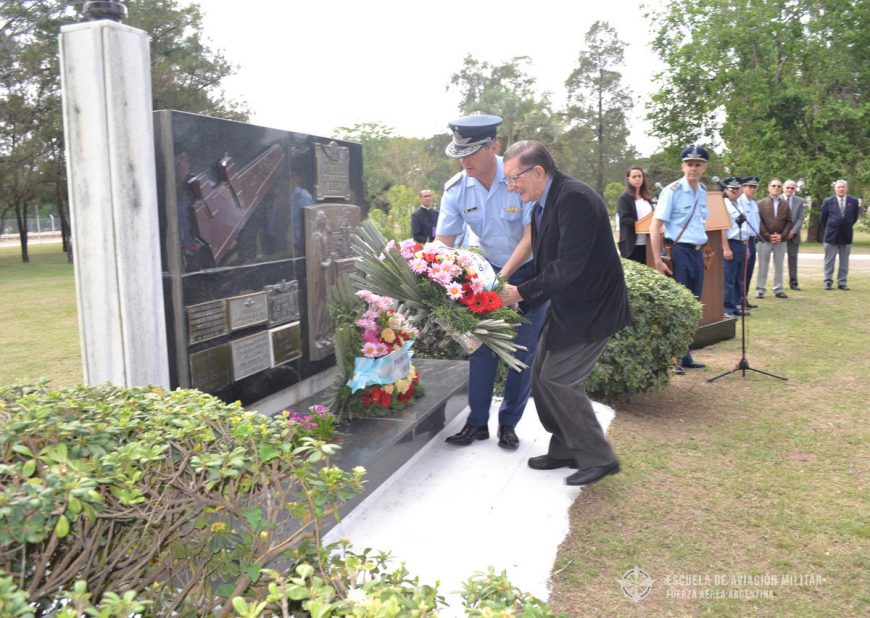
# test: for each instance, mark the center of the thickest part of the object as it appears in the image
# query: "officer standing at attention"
(479, 197)
(682, 215)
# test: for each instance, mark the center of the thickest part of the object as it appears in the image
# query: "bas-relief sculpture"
(241, 232)
(328, 257)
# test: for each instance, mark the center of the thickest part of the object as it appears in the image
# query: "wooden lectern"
(712, 296)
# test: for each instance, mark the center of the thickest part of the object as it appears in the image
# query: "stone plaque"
(247, 310)
(283, 302)
(250, 355)
(333, 171)
(328, 231)
(210, 369)
(207, 321)
(286, 343)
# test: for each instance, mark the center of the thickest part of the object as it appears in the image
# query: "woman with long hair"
(633, 204)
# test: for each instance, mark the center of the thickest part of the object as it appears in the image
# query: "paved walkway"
(452, 511)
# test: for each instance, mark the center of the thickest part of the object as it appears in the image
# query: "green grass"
(742, 476)
(38, 316)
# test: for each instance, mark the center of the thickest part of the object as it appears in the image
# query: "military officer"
(479, 197)
(681, 214)
(749, 206)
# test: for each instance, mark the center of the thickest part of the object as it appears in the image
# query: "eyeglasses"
(512, 180)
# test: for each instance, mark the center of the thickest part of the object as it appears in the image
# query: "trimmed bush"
(639, 358)
(176, 496)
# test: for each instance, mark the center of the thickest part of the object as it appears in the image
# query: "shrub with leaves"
(176, 496)
(639, 358)
(488, 594)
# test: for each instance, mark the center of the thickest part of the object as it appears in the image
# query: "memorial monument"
(255, 227)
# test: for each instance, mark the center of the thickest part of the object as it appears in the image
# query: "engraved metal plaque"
(345, 266)
(283, 302)
(247, 310)
(210, 369)
(286, 343)
(250, 355)
(328, 230)
(333, 171)
(207, 321)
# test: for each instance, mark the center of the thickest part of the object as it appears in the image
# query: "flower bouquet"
(457, 289)
(373, 343)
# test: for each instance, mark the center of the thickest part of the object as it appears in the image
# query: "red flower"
(367, 400)
(478, 304)
(429, 257)
(377, 394)
(491, 300)
(386, 400)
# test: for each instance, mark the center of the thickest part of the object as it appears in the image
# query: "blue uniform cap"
(750, 181)
(733, 183)
(694, 153)
(470, 133)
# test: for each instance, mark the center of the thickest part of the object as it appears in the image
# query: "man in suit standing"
(577, 269)
(838, 217)
(424, 219)
(796, 209)
(775, 225)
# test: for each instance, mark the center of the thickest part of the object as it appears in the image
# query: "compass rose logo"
(636, 584)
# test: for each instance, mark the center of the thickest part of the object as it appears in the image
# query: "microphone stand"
(743, 364)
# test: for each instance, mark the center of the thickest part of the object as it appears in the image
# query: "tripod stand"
(743, 365)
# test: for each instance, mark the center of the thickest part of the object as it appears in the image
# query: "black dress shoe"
(469, 434)
(679, 371)
(545, 462)
(781, 295)
(751, 306)
(795, 287)
(828, 286)
(591, 475)
(507, 437)
(694, 365)
(845, 288)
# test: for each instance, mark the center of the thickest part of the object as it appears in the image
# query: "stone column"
(108, 127)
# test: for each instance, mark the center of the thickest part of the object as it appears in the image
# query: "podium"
(713, 326)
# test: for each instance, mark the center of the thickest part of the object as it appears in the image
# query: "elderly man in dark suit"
(796, 208)
(577, 268)
(838, 217)
(775, 225)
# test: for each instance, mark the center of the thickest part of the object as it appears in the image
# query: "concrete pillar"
(106, 79)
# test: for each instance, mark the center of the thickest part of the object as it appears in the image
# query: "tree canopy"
(780, 83)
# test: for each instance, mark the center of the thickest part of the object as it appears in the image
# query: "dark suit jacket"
(780, 224)
(423, 222)
(838, 228)
(576, 268)
(627, 210)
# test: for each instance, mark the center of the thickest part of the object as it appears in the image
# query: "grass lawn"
(741, 477)
(38, 316)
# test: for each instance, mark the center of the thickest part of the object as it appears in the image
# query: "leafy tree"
(788, 99)
(506, 90)
(596, 144)
(186, 76)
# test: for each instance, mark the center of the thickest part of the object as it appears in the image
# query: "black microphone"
(659, 186)
(719, 182)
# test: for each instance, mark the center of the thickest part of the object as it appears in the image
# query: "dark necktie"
(842, 206)
(539, 212)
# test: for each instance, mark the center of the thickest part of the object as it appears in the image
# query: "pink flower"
(443, 278)
(371, 335)
(454, 291)
(476, 285)
(382, 349)
(418, 265)
(370, 349)
(365, 323)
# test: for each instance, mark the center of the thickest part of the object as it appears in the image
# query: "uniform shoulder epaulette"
(452, 180)
(675, 185)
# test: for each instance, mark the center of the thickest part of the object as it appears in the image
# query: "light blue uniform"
(497, 216)
(674, 208)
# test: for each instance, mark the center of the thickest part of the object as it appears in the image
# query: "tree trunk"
(21, 216)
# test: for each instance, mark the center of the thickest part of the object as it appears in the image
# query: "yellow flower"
(395, 322)
(402, 386)
(388, 388)
(218, 527)
(388, 335)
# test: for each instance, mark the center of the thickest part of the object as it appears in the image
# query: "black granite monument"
(255, 228)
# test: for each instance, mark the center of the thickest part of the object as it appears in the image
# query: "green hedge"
(138, 502)
(640, 357)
